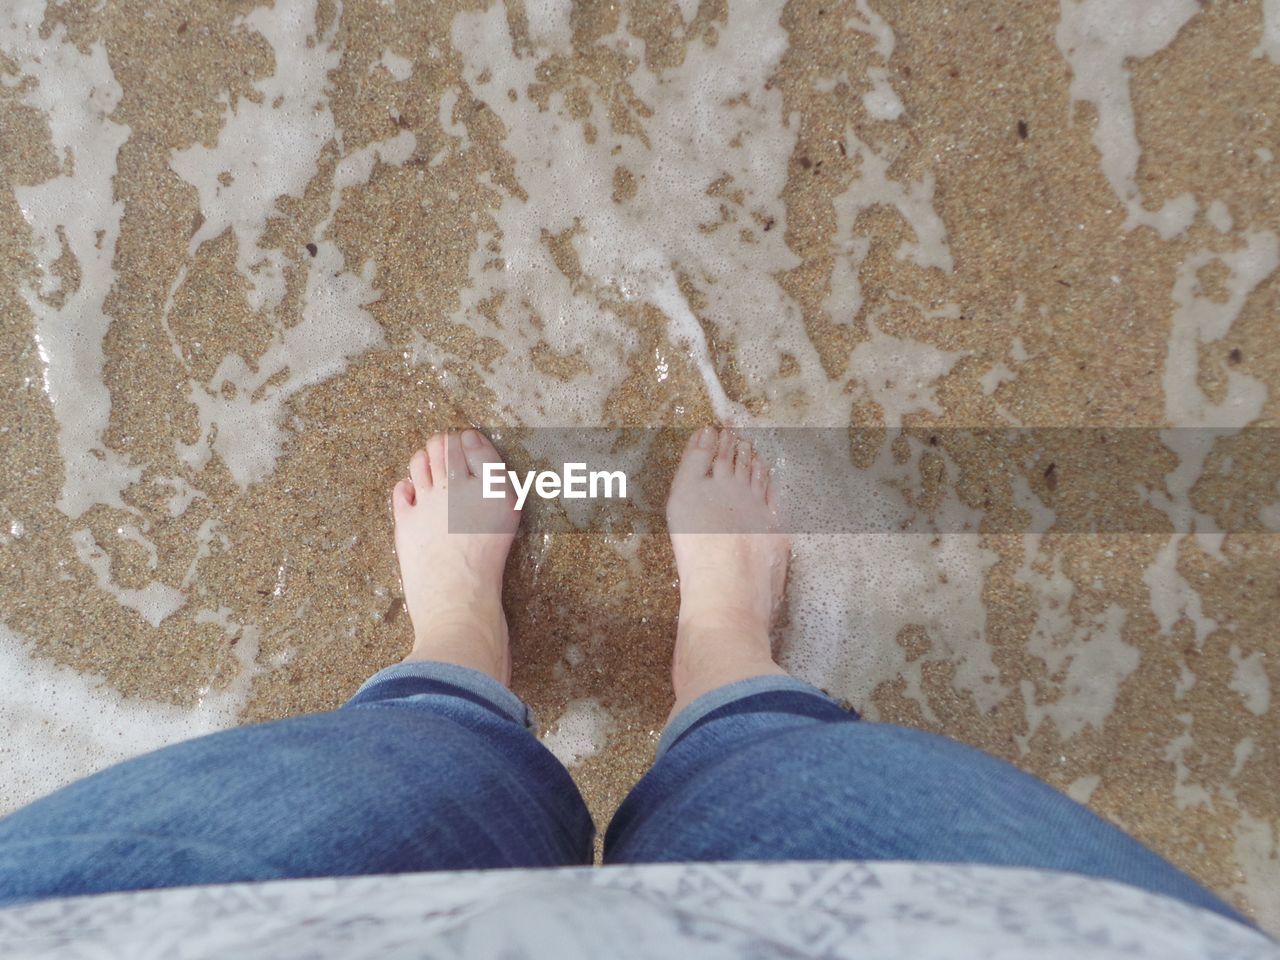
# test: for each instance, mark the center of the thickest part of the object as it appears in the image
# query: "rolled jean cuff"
(713, 700)
(420, 677)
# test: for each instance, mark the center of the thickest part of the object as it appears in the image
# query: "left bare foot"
(453, 580)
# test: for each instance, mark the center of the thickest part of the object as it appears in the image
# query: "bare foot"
(453, 581)
(732, 560)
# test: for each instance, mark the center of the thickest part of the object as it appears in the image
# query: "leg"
(430, 766)
(772, 769)
(759, 766)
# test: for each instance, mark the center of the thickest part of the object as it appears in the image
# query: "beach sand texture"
(254, 255)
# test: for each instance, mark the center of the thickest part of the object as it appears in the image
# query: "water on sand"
(256, 254)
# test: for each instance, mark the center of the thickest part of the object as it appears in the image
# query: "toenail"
(472, 439)
(707, 438)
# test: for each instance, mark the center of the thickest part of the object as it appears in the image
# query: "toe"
(759, 475)
(478, 450)
(456, 462)
(771, 492)
(403, 495)
(722, 468)
(742, 461)
(698, 453)
(436, 454)
(420, 471)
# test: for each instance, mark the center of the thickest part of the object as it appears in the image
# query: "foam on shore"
(63, 724)
(708, 168)
(241, 409)
(78, 213)
(580, 732)
(1098, 38)
(669, 196)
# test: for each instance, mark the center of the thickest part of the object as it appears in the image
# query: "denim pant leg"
(772, 769)
(428, 767)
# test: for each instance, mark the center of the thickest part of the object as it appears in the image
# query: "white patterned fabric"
(694, 911)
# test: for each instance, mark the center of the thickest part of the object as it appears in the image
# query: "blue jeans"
(434, 767)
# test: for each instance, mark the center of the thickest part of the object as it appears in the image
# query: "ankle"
(691, 681)
(712, 654)
(463, 654)
(477, 639)
(716, 623)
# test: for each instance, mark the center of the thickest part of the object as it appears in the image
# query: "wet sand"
(1132, 669)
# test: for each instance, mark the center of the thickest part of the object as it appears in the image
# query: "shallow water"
(255, 255)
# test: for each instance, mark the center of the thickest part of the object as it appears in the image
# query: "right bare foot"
(732, 570)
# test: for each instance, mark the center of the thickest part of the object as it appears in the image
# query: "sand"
(1132, 668)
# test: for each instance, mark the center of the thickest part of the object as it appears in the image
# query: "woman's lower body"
(432, 766)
